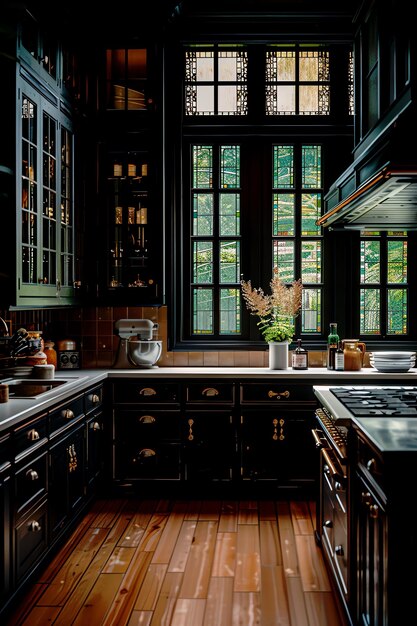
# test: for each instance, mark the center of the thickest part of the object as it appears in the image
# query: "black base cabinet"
(214, 437)
(50, 468)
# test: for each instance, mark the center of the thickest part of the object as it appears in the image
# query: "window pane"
(311, 311)
(311, 261)
(310, 212)
(370, 323)
(283, 214)
(283, 166)
(233, 65)
(202, 214)
(397, 261)
(280, 65)
(283, 260)
(229, 311)
(280, 99)
(202, 311)
(314, 66)
(233, 100)
(202, 262)
(229, 261)
(202, 166)
(311, 166)
(229, 214)
(203, 96)
(199, 65)
(230, 166)
(397, 311)
(370, 262)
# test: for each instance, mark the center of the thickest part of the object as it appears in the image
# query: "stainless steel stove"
(378, 401)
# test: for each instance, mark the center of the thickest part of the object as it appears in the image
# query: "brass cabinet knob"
(33, 435)
(32, 475)
(67, 414)
(328, 523)
(210, 391)
(95, 399)
(146, 453)
(96, 426)
(34, 526)
(147, 419)
(339, 550)
(147, 391)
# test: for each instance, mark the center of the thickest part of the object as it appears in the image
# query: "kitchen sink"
(33, 388)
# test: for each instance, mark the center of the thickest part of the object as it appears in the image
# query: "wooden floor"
(186, 563)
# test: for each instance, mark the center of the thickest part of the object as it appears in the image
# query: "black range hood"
(387, 200)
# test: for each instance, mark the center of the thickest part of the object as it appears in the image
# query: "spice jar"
(51, 355)
(4, 392)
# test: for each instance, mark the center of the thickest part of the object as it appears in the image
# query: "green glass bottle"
(332, 343)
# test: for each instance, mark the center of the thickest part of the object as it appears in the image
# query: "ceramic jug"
(354, 351)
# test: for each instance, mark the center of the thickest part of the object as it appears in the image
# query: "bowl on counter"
(144, 353)
(392, 361)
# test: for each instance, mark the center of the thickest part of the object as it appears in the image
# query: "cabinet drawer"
(30, 482)
(146, 393)
(136, 461)
(30, 539)
(93, 398)
(206, 393)
(66, 414)
(30, 435)
(147, 426)
(274, 393)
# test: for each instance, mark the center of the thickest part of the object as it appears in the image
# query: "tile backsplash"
(92, 329)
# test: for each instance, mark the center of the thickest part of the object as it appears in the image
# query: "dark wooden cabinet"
(5, 535)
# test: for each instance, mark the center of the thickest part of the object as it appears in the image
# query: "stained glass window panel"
(370, 265)
(230, 311)
(202, 311)
(314, 66)
(397, 311)
(202, 214)
(284, 260)
(202, 167)
(283, 166)
(283, 214)
(202, 262)
(233, 65)
(230, 166)
(311, 167)
(229, 214)
(281, 100)
(370, 307)
(397, 261)
(351, 88)
(229, 261)
(280, 65)
(199, 65)
(311, 261)
(311, 311)
(310, 212)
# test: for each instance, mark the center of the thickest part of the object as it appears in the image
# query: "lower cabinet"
(30, 539)
(5, 534)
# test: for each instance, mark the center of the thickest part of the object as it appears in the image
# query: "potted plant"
(276, 312)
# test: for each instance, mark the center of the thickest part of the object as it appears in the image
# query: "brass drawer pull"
(67, 414)
(275, 435)
(35, 527)
(95, 426)
(147, 419)
(190, 430)
(147, 391)
(72, 460)
(209, 392)
(33, 435)
(278, 395)
(146, 453)
(95, 399)
(32, 475)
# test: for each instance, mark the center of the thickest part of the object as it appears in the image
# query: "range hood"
(385, 201)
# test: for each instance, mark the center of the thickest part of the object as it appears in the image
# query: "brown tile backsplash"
(92, 328)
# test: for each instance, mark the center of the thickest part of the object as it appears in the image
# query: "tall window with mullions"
(215, 241)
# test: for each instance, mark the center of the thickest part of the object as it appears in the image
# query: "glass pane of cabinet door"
(45, 250)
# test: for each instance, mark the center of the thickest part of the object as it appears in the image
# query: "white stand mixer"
(137, 348)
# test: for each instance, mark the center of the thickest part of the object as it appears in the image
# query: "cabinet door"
(95, 449)
(4, 530)
(66, 479)
(276, 446)
(45, 233)
(209, 442)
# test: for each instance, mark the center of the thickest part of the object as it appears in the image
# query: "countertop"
(389, 434)
(17, 409)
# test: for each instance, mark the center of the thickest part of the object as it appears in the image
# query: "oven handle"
(332, 467)
(319, 440)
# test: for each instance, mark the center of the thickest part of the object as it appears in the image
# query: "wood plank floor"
(186, 563)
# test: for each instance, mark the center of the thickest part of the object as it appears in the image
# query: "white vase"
(278, 355)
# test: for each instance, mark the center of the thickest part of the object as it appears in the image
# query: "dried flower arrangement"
(276, 310)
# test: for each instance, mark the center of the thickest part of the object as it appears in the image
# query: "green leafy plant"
(277, 310)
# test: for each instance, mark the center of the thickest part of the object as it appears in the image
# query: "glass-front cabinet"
(44, 201)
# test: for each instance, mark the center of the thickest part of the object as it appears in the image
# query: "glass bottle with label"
(339, 358)
(332, 343)
(299, 357)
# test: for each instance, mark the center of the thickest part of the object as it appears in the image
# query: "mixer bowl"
(144, 353)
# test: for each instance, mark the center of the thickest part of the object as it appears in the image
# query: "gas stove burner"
(378, 401)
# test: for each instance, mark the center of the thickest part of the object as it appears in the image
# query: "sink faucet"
(6, 328)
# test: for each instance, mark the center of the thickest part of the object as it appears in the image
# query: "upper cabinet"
(36, 169)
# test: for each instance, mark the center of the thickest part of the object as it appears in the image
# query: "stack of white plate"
(393, 361)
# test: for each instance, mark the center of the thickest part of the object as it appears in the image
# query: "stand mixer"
(137, 348)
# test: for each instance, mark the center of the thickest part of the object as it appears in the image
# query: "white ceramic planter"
(278, 355)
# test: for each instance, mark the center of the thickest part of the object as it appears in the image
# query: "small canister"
(4, 392)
